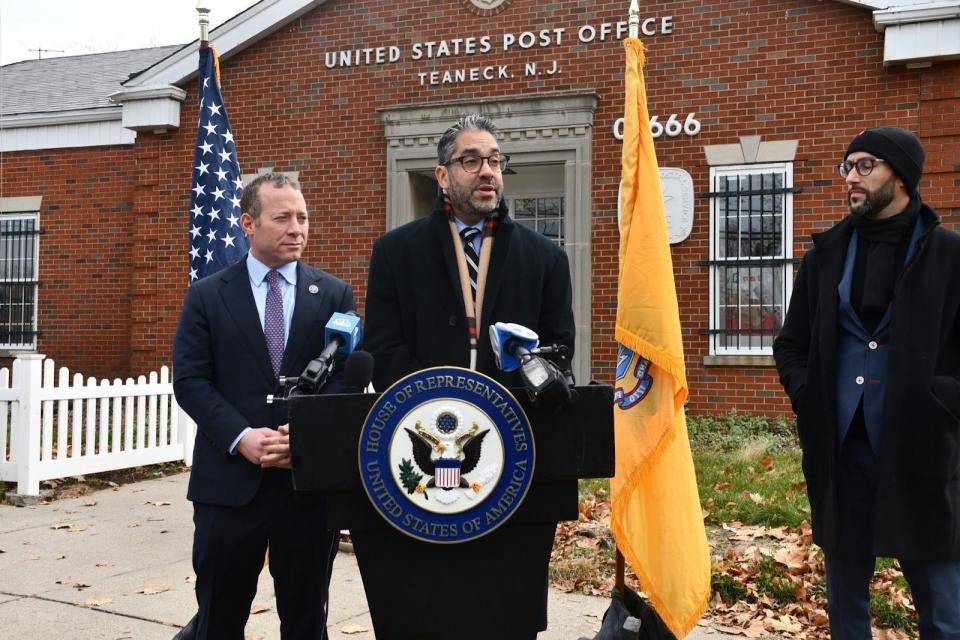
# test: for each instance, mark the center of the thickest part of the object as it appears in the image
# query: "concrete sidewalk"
(116, 564)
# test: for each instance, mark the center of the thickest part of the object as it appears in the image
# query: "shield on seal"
(447, 473)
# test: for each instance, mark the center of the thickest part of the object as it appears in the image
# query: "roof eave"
(931, 12)
(233, 36)
(74, 116)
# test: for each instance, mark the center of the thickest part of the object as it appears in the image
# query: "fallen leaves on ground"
(70, 582)
(97, 602)
(351, 629)
(259, 607)
(150, 591)
(768, 581)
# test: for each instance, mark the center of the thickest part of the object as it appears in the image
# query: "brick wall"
(782, 69)
(89, 230)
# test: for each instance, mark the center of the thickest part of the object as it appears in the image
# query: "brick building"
(754, 102)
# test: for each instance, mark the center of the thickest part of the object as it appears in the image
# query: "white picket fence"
(52, 429)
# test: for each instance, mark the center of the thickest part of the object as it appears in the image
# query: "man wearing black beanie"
(869, 354)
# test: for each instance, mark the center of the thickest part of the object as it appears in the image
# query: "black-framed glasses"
(864, 166)
(472, 163)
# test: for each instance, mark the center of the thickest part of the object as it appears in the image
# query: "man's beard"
(874, 201)
(460, 198)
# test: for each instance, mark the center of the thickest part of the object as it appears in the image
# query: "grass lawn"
(765, 568)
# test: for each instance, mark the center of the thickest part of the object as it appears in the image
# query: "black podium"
(573, 442)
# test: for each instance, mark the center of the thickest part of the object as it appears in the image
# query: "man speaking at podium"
(435, 286)
(240, 330)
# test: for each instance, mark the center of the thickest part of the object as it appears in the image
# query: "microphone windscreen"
(358, 370)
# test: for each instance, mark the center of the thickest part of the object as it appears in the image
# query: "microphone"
(342, 333)
(357, 371)
(515, 346)
(509, 341)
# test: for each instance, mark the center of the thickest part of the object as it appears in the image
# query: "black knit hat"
(899, 147)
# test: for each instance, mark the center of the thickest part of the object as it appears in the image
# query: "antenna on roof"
(204, 11)
(40, 52)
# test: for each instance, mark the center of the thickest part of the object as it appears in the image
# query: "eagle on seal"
(469, 446)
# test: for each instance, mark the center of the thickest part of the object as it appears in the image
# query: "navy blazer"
(222, 372)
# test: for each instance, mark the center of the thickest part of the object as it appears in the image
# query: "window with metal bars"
(751, 256)
(19, 268)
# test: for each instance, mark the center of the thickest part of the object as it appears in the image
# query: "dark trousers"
(935, 586)
(494, 587)
(228, 552)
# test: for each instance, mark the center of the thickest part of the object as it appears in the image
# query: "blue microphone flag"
(346, 327)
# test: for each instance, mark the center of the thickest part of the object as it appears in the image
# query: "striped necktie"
(468, 235)
(273, 327)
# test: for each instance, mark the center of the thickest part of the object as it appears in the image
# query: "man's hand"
(277, 449)
(266, 447)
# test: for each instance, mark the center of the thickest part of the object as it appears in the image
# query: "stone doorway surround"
(549, 128)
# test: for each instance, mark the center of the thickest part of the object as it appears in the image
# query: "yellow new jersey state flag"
(657, 521)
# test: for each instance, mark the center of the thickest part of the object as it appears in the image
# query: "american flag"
(216, 238)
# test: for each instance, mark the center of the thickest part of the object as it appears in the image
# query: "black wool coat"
(918, 492)
(414, 306)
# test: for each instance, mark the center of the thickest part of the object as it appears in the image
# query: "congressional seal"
(446, 455)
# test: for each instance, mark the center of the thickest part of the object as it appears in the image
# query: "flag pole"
(204, 19)
(633, 30)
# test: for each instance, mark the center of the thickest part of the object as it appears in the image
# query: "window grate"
(750, 262)
(19, 266)
(751, 192)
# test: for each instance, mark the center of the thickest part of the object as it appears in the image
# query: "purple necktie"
(273, 321)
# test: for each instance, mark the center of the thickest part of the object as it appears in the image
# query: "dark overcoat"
(414, 309)
(918, 493)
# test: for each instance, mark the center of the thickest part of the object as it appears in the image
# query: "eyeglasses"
(472, 164)
(864, 166)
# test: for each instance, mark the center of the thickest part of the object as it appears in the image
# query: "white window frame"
(511, 201)
(32, 344)
(716, 173)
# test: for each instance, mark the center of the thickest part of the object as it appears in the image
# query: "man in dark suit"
(421, 313)
(870, 357)
(241, 329)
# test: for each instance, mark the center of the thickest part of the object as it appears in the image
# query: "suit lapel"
(238, 300)
(306, 318)
(845, 286)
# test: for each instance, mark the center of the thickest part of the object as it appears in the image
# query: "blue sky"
(96, 26)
